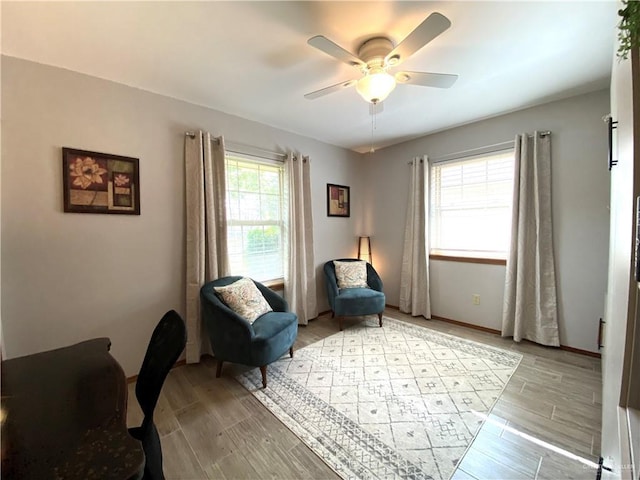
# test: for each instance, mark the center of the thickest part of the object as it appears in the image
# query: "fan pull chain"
(373, 125)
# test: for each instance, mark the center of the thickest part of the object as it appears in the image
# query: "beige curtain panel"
(206, 225)
(299, 271)
(530, 306)
(414, 276)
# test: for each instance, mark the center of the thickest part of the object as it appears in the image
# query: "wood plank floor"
(546, 425)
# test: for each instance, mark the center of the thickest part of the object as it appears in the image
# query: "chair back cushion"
(244, 298)
(351, 274)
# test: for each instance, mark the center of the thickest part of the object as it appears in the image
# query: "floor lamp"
(364, 249)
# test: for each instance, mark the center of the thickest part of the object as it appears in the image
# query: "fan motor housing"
(374, 51)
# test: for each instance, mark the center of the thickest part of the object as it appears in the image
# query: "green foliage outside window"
(263, 240)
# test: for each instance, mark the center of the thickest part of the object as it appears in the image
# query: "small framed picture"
(100, 183)
(338, 201)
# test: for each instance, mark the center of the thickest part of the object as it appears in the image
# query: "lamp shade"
(364, 249)
(376, 85)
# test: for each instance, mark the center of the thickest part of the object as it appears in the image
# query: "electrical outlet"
(476, 299)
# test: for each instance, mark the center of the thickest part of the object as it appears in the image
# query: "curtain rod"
(480, 150)
(243, 149)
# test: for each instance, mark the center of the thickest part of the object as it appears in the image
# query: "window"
(255, 225)
(470, 206)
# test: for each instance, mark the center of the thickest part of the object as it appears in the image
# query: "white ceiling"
(251, 59)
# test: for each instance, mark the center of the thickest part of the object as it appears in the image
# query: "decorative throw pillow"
(351, 274)
(244, 298)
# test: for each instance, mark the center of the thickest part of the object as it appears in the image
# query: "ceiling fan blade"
(327, 90)
(430, 28)
(426, 79)
(336, 51)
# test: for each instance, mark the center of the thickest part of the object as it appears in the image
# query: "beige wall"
(580, 190)
(68, 277)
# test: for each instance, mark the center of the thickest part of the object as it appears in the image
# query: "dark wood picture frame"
(96, 182)
(338, 200)
(637, 243)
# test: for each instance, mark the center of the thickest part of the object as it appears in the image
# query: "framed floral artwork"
(338, 201)
(100, 182)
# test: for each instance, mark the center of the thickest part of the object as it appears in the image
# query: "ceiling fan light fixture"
(376, 85)
(378, 54)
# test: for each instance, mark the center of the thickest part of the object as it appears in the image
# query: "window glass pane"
(232, 176)
(233, 205)
(248, 178)
(249, 206)
(470, 204)
(270, 181)
(234, 236)
(270, 207)
(255, 218)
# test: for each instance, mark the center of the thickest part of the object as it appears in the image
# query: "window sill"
(276, 284)
(455, 258)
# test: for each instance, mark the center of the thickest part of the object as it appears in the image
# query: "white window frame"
(257, 162)
(438, 249)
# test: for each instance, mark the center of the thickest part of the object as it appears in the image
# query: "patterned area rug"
(400, 401)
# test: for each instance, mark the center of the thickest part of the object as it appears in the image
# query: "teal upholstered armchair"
(234, 339)
(357, 300)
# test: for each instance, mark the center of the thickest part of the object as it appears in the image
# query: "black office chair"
(167, 343)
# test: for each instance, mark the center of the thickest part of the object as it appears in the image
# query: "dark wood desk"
(66, 416)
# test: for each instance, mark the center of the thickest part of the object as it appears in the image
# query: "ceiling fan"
(378, 55)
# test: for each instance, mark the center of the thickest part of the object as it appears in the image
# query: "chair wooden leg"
(219, 369)
(333, 314)
(380, 319)
(263, 371)
(291, 352)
